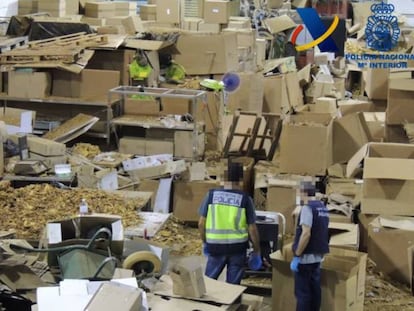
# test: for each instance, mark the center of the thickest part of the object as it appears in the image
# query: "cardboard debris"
(72, 128)
(216, 291)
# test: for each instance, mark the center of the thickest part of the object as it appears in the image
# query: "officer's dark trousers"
(308, 287)
(235, 267)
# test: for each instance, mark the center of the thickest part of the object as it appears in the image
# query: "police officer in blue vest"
(310, 245)
(227, 220)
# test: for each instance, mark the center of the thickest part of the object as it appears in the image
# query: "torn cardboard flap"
(148, 45)
(387, 168)
(280, 65)
(168, 168)
(387, 152)
(403, 223)
(279, 23)
(354, 163)
(344, 235)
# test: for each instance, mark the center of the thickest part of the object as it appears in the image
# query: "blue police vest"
(319, 240)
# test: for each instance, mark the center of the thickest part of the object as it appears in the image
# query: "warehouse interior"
(118, 117)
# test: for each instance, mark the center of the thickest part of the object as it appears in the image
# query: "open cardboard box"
(306, 135)
(399, 104)
(388, 178)
(342, 280)
(389, 239)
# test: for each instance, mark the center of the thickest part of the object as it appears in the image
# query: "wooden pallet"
(255, 136)
(77, 39)
(8, 44)
(19, 56)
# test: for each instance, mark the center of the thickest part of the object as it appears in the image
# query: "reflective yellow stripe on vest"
(226, 224)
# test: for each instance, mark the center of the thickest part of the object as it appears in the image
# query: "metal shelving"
(196, 97)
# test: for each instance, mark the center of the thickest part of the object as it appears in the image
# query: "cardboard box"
(342, 280)
(396, 134)
(183, 144)
(349, 135)
(218, 52)
(363, 222)
(375, 124)
(100, 9)
(132, 145)
(106, 179)
(27, 7)
(115, 296)
(18, 120)
(389, 238)
(400, 109)
(151, 171)
(276, 99)
(148, 9)
(249, 95)
(188, 197)
(191, 23)
(326, 105)
(310, 135)
(188, 279)
(158, 146)
(219, 11)
(42, 146)
(204, 27)
(145, 146)
(169, 11)
(388, 182)
(76, 230)
(282, 199)
(93, 21)
(28, 84)
(138, 106)
(350, 106)
(90, 84)
(376, 83)
(246, 39)
(117, 60)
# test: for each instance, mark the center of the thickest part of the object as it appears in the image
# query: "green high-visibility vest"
(226, 224)
(137, 72)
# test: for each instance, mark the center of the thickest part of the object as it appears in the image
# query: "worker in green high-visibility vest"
(139, 69)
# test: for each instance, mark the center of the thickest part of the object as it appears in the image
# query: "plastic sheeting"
(39, 30)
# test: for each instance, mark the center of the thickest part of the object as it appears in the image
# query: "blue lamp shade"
(231, 81)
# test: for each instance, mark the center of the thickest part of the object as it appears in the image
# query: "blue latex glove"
(255, 261)
(205, 250)
(294, 264)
